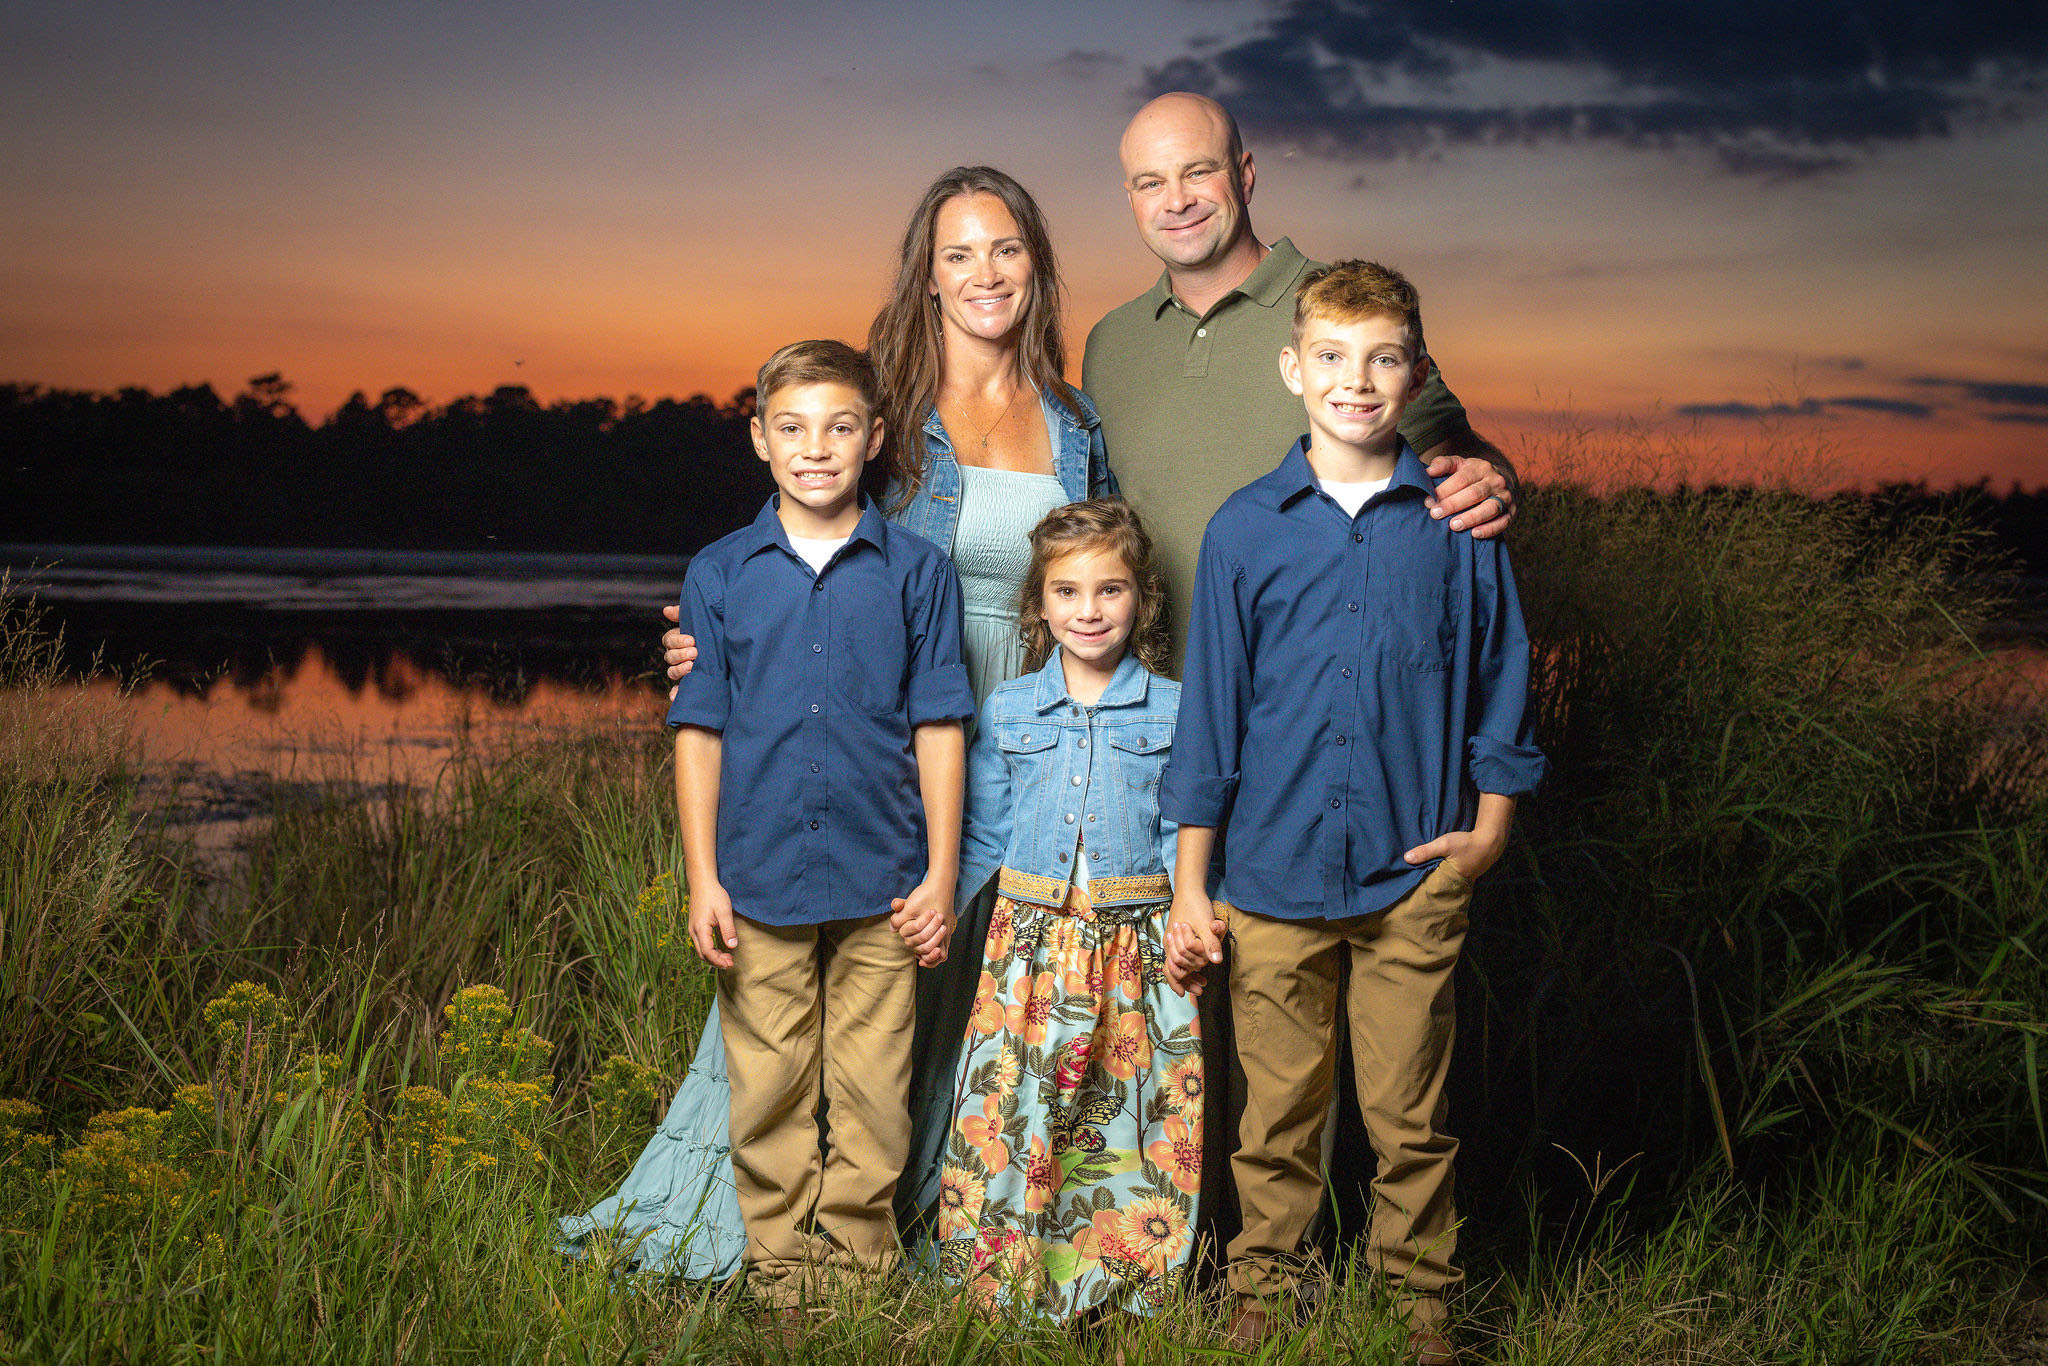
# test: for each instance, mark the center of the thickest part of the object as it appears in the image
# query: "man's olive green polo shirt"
(1193, 409)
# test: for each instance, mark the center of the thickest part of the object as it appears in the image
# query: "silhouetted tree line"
(500, 471)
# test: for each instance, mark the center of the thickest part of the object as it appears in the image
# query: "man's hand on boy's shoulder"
(1194, 940)
(678, 651)
(925, 920)
(1479, 488)
(713, 930)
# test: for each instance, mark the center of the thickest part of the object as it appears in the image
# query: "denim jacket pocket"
(1142, 747)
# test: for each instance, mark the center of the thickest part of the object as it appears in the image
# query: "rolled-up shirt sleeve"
(1501, 754)
(1215, 694)
(938, 688)
(704, 696)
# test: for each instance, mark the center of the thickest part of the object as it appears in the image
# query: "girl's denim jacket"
(1050, 781)
(1077, 458)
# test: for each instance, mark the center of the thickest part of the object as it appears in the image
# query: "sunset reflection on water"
(302, 721)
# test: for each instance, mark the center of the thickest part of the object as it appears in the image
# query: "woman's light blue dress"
(677, 1214)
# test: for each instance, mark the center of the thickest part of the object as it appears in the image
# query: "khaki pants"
(807, 1007)
(1284, 985)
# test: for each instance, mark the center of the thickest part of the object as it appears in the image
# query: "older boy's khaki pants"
(1284, 985)
(804, 1006)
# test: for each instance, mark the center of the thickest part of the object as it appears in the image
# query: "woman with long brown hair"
(983, 438)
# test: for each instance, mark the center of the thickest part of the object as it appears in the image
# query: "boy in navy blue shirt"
(1354, 716)
(819, 759)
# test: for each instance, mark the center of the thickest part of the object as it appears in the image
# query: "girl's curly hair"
(1098, 524)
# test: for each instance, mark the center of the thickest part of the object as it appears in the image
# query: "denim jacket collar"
(1126, 688)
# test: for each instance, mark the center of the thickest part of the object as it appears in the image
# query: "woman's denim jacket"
(1077, 458)
(1049, 780)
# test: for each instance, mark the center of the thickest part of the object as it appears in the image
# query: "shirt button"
(1141, 742)
(1347, 674)
(814, 824)
(814, 767)
(1358, 537)
(1075, 780)
(818, 587)
(1334, 803)
(1201, 331)
(1070, 818)
(816, 648)
(1354, 607)
(1091, 818)
(814, 707)
(1340, 740)
(1081, 743)
(1095, 854)
(1063, 858)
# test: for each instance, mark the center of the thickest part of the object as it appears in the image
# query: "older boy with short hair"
(1354, 715)
(819, 759)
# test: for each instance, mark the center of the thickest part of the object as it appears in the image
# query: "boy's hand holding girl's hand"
(925, 920)
(1194, 940)
(712, 929)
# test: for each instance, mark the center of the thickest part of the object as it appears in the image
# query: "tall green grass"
(1770, 942)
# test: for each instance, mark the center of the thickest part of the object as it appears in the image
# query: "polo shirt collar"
(1127, 685)
(1266, 286)
(1294, 476)
(766, 530)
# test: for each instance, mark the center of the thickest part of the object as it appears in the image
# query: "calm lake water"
(298, 665)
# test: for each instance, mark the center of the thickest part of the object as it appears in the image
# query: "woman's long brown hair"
(1098, 524)
(903, 340)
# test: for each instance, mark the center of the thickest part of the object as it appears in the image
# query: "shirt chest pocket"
(1419, 623)
(1141, 750)
(869, 657)
(1028, 746)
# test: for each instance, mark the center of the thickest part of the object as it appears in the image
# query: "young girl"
(1074, 1157)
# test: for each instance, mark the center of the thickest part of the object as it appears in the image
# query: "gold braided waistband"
(1102, 891)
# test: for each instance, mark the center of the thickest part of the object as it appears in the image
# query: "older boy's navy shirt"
(815, 681)
(1352, 683)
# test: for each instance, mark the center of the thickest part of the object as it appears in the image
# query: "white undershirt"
(1352, 497)
(1080, 864)
(816, 553)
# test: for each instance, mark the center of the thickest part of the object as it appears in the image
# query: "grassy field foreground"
(1751, 1020)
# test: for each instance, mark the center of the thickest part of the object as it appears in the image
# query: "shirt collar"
(766, 530)
(1127, 685)
(1294, 476)
(1270, 281)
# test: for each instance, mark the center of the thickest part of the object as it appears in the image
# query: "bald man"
(1187, 375)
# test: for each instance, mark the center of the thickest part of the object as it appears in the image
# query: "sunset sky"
(1823, 228)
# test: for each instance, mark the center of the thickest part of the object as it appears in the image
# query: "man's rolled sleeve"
(939, 689)
(1215, 692)
(1501, 754)
(704, 695)
(1436, 415)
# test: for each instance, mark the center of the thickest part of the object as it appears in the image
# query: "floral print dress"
(1075, 1155)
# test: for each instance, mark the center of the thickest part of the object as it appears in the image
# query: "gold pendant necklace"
(999, 417)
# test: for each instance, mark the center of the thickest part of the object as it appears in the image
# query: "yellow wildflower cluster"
(117, 1173)
(482, 1040)
(24, 1154)
(246, 1012)
(500, 1119)
(418, 1134)
(622, 1095)
(659, 911)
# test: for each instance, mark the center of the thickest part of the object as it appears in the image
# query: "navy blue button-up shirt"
(816, 681)
(1352, 683)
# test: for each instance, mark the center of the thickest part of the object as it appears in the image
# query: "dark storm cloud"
(1991, 390)
(1811, 407)
(1085, 65)
(1772, 90)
